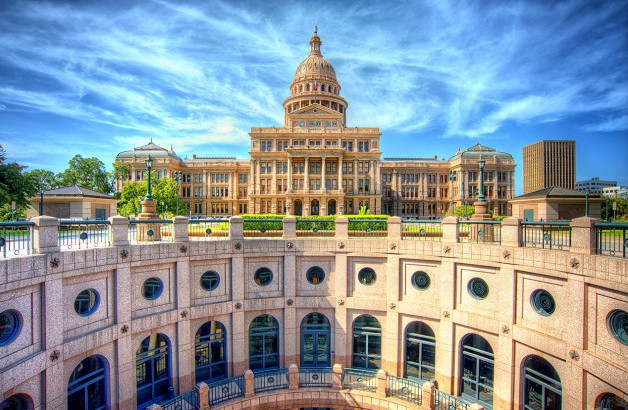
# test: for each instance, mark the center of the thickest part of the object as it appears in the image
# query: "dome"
(479, 150)
(315, 65)
(152, 149)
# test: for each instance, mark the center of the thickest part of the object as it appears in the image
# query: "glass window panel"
(413, 351)
(359, 361)
(485, 394)
(272, 362)
(375, 363)
(468, 388)
(77, 400)
(359, 344)
(375, 345)
(429, 355)
(255, 363)
(271, 342)
(96, 394)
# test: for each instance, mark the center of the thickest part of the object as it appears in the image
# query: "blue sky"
(97, 78)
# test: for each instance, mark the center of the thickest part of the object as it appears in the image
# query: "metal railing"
(423, 230)
(444, 401)
(270, 380)
(550, 235)
(151, 230)
(404, 389)
(368, 227)
(16, 238)
(480, 231)
(611, 239)
(263, 228)
(359, 379)
(208, 229)
(315, 377)
(185, 401)
(77, 234)
(315, 227)
(226, 389)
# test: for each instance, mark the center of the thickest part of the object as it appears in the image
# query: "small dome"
(152, 149)
(479, 150)
(315, 65)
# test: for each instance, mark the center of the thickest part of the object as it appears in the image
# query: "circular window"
(478, 288)
(263, 276)
(543, 302)
(86, 302)
(315, 275)
(420, 280)
(10, 326)
(210, 280)
(367, 276)
(618, 324)
(152, 288)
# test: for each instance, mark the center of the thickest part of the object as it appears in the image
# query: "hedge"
(273, 222)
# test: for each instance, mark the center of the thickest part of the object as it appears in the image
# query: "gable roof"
(75, 190)
(553, 192)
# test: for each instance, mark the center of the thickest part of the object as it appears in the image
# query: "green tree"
(87, 172)
(42, 179)
(14, 186)
(364, 210)
(121, 171)
(464, 211)
(164, 194)
(622, 209)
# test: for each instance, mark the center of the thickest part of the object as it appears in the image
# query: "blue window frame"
(210, 280)
(17, 402)
(10, 326)
(367, 343)
(477, 370)
(264, 343)
(152, 370)
(315, 341)
(611, 401)
(88, 386)
(541, 385)
(263, 276)
(152, 288)
(86, 302)
(210, 353)
(420, 351)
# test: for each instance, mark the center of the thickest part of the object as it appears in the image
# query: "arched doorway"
(610, 401)
(420, 351)
(315, 341)
(298, 207)
(331, 207)
(87, 388)
(476, 370)
(210, 352)
(152, 370)
(17, 402)
(264, 343)
(367, 343)
(541, 385)
(314, 207)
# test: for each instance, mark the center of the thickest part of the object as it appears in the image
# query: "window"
(209, 352)
(264, 343)
(263, 276)
(87, 388)
(210, 280)
(477, 370)
(420, 280)
(618, 325)
(152, 288)
(363, 146)
(152, 370)
(543, 302)
(243, 178)
(315, 341)
(267, 146)
(315, 275)
(86, 302)
(477, 288)
(541, 385)
(420, 351)
(348, 146)
(16, 402)
(611, 402)
(367, 343)
(10, 326)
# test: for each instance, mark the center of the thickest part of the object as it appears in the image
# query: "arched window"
(420, 351)
(87, 388)
(264, 343)
(315, 341)
(152, 370)
(610, 401)
(541, 385)
(210, 353)
(323, 87)
(314, 207)
(367, 343)
(307, 87)
(17, 402)
(476, 370)
(300, 88)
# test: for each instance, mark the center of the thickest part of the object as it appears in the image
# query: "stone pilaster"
(289, 227)
(511, 232)
(236, 227)
(337, 376)
(46, 234)
(342, 228)
(293, 375)
(450, 229)
(119, 230)
(180, 229)
(249, 384)
(583, 235)
(394, 228)
(202, 389)
(382, 377)
(428, 391)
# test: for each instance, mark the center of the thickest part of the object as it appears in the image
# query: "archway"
(315, 341)
(420, 351)
(264, 343)
(87, 387)
(210, 352)
(298, 207)
(152, 370)
(314, 207)
(331, 207)
(367, 343)
(477, 370)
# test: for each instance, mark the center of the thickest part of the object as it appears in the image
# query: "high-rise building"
(594, 185)
(549, 163)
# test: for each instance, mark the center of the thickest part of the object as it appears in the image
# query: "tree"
(164, 193)
(87, 172)
(43, 179)
(622, 209)
(364, 210)
(464, 211)
(14, 185)
(121, 171)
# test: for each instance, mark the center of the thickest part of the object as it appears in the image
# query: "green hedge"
(318, 222)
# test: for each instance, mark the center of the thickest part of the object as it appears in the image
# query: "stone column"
(273, 188)
(293, 375)
(202, 389)
(258, 179)
(289, 227)
(249, 384)
(382, 376)
(583, 235)
(394, 228)
(180, 229)
(341, 228)
(119, 230)
(450, 229)
(355, 179)
(323, 175)
(340, 176)
(46, 234)
(289, 174)
(236, 227)
(306, 183)
(428, 391)
(476, 406)
(511, 232)
(336, 377)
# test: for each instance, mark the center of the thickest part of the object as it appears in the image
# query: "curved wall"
(54, 339)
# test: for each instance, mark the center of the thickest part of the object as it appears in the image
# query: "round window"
(420, 280)
(543, 302)
(210, 280)
(478, 288)
(618, 324)
(86, 302)
(152, 288)
(263, 276)
(367, 276)
(10, 326)
(315, 275)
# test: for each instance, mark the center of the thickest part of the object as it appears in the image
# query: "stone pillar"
(46, 234)
(289, 175)
(450, 229)
(273, 188)
(249, 384)
(355, 179)
(476, 406)
(293, 375)
(428, 391)
(119, 230)
(154, 406)
(583, 235)
(180, 229)
(511, 232)
(341, 228)
(394, 228)
(202, 389)
(382, 377)
(289, 227)
(336, 377)
(306, 182)
(323, 175)
(340, 175)
(236, 227)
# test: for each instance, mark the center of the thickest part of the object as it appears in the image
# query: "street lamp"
(41, 196)
(452, 179)
(176, 175)
(481, 197)
(149, 192)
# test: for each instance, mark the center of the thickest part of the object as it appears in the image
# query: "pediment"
(316, 109)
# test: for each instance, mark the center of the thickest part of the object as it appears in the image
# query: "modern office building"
(316, 165)
(614, 191)
(549, 163)
(594, 185)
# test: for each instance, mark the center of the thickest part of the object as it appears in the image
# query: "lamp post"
(452, 179)
(481, 197)
(41, 196)
(149, 192)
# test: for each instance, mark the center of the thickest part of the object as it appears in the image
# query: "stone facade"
(549, 163)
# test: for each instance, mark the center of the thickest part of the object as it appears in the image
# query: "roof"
(479, 150)
(75, 190)
(553, 192)
(152, 149)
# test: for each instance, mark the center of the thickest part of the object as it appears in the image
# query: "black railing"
(77, 234)
(444, 401)
(151, 230)
(359, 379)
(424, 230)
(315, 227)
(271, 380)
(16, 238)
(208, 229)
(227, 389)
(550, 235)
(480, 231)
(611, 239)
(315, 377)
(263, 228)
(368, 227)
(185, 401)
(404, 389)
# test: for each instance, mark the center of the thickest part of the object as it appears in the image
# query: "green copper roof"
(152, 149)
(480, 150)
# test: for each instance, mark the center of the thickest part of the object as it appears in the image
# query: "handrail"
(546, 223)
(479, 222)
(84, 222)
(611, 224)
(18, 223)
(150, 221)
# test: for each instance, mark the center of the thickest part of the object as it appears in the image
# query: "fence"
(315, 227)
(150, 230)
(208, 229)
(368, 227)
(611, 239)
(16, 238)
(404, 389)
(185, 401)
(263, 228)
(271, 380)
(444, 401)
(315, 377)
(480, 231)
(227, 389)
(359, 379)
(423, 230)
(550, 235)
(76, 234)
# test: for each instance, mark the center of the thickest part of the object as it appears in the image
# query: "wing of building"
(316, 165)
